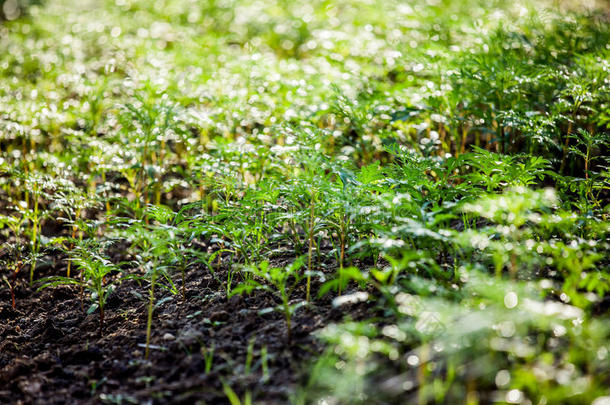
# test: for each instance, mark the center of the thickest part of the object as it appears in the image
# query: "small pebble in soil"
(219, 316)
(168, 337)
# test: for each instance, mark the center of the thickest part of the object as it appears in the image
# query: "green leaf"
(92, 308)
(231, 395)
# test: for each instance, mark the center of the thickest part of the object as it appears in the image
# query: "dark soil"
(51, 351)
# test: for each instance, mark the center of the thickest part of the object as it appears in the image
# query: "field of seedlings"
(328, 202)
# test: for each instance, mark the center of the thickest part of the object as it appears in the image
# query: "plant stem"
(12, 288)
(565, 148)
(587, 160)
(341, 255)
(100, 301)
(310, 251)
(74, 228)
(107, 202)
(151, 303)
(288, 327)
(183, 268)
(34, 238)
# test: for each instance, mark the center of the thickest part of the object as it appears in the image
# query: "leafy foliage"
(442, 164)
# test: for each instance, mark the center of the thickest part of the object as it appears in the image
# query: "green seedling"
(495, 172)
(234, 398)
(35, 185)
(265, 364)
(310, 242)
(71, 204)
(157, 246)
(341, 217)
(249, 356)
(14, 224)
(404, 148)
(14, 264)
(95, 384)
(304, 216)
(95, 277)
(591, 143)
(208, 357)
(279, 281)
(150, 124)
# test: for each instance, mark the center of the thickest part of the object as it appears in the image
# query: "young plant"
(208, 358)
(302, 199)
(14, 223)
(281, 282)
(14, 264)
(156, 245)
(234, 398)
(96, 277)
(494, 171)
(249, 356)
(149, 124)
(591, 143)
(510, 243)
(72, 202)
(341, 214)
(35, 184)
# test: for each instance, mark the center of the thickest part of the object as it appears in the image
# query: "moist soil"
(51, 351)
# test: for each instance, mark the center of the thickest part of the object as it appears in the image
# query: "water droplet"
(511, 300)
(502, 378)
(514, 396)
